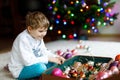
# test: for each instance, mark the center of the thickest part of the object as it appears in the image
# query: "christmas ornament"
(118, 65)
(114, 63)
(109, 72)
(114, 70)
(117, 58)
(76, 65)
(102, 75)
(57, 72)
(67, 70)
(59, 52)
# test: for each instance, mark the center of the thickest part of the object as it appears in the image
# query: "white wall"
(115, 29)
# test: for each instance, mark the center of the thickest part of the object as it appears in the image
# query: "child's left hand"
(57, 60)
(62, 60)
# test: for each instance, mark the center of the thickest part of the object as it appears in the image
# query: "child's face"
(38, 34)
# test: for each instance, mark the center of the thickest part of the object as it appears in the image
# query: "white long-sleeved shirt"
(27, 51)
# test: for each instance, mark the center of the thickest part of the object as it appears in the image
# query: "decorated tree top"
(81, 15)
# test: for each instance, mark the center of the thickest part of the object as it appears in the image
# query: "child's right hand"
(56, 60)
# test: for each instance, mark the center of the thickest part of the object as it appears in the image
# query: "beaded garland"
(70, 53)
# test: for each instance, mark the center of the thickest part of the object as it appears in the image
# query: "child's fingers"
(61, 60)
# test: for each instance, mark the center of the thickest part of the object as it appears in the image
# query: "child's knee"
(41, 68)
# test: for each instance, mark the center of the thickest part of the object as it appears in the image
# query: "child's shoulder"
(24, 34)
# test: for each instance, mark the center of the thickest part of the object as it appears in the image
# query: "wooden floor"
(6, 43)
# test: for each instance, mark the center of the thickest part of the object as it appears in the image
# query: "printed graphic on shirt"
(37, 51)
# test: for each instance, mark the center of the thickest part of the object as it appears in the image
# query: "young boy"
(29, 56)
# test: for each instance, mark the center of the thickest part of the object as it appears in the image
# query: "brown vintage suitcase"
(51, 77)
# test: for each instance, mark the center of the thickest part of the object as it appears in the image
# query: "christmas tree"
(70, 17)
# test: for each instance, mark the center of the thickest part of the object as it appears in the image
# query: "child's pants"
(34, 70)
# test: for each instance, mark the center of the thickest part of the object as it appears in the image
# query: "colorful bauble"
(76, 65)
(114, 63)
(68, 55)
(74, 51)
(117, 58)
(59, 52)
(57, 72)
(114, 70)
(118, 65)
(109, 72)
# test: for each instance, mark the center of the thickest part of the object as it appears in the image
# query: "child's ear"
(29, 28)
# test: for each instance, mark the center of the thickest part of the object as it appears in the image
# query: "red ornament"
(59, 52)
(117, 58)
(82, 75)
(90, 68)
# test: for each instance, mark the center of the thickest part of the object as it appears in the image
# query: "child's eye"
(43, 31)
(40, 31)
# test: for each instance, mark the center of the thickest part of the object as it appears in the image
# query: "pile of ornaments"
(89, 70)
(81, 71)
(114, 68)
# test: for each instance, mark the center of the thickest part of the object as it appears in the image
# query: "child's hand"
(61, 59)
(57, 60)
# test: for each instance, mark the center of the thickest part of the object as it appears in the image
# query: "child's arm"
(27, 56)
(57, 60)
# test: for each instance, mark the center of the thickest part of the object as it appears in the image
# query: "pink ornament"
(57, 72)
(119, 65)
(102, 75)
(59, 52)
(114, 69)
(74, 52)
(109, 72)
